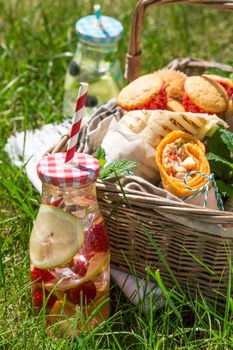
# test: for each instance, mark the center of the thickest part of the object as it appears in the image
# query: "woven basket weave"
(145, 229)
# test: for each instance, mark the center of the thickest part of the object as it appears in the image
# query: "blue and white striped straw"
(97, 9)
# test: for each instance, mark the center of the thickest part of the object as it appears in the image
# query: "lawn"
(36, 40)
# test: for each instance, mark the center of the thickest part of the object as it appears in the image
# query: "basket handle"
(133, 56)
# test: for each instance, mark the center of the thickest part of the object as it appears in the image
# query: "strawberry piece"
(37, 296)
(81, 263)
(41, 275)
(82, 294)
(96, 239)
(190, 106)
(158, 102)
(227, 87)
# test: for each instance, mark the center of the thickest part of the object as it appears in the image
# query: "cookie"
(203, 95)
(174, 105)
(226, 83)
(174, 81)
(146, 92)
(229, 111)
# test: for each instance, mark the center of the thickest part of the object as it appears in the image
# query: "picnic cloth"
(25, 149)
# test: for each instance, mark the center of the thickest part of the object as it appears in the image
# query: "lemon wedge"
(98, 264)
(56, 237)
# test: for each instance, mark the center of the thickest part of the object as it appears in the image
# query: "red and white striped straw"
(77, 119)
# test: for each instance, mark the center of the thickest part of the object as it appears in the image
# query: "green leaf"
(216, 71)
(117, 168)
(227, 138)
(220, 147)
(101, 156)
(217, 145)
(225, 189)
(216, 158)
(220, 170)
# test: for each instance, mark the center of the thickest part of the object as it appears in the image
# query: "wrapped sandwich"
(138, 133)
(184, 169)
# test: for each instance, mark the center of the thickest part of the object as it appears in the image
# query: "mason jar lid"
(53, 170)
(105, 30)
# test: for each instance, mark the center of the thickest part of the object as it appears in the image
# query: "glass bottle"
(69, 246)
(95, 61)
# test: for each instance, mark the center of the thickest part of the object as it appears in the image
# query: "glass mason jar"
(69, 245)
(95, 61)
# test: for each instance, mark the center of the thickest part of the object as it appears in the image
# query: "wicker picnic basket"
(194, 243)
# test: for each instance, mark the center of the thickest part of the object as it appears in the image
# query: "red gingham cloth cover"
(82, 170)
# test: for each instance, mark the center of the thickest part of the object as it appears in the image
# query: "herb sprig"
(114, 169)
(220, 156)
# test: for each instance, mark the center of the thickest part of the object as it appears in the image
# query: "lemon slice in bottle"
(98, 264)
(56, 237)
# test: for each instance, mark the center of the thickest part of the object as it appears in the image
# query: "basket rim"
(216, 223)
(114, 187)
(134, 52)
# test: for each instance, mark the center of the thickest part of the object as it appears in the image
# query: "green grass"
(36, 39)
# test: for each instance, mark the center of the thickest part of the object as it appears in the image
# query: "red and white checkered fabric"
(82, 170)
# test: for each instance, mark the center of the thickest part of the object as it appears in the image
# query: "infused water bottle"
(95, 61)
(69, 245)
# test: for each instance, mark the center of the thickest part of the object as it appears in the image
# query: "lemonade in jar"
(95, 61)
(69, 245)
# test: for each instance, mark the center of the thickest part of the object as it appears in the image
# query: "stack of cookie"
(174, 91)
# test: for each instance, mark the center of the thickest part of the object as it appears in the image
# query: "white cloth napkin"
(28, 148)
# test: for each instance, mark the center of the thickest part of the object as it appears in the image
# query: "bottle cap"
(53, 170)
(98, 29)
